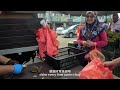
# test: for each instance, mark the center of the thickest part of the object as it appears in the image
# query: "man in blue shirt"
(105, 25)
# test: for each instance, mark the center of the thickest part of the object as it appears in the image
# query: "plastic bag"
(96, 54)
(47, 41)
(78, 29)
(95, 70)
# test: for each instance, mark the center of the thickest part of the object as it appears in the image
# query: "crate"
(73, 45)
(67, 58)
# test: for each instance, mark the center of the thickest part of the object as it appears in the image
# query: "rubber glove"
(18, 68)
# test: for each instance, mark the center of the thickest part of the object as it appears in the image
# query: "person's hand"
(12, 62)
(43, 23)
(109, 64)
(85, 43)
(90, 43)
(18, 68)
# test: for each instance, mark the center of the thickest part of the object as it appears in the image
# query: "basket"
(67, 58)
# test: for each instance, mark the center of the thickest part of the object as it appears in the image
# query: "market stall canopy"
(78, 13)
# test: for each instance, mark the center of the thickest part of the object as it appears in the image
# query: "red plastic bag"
(78, 29)
(96, 54)
(47, 41)
(95, 70)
